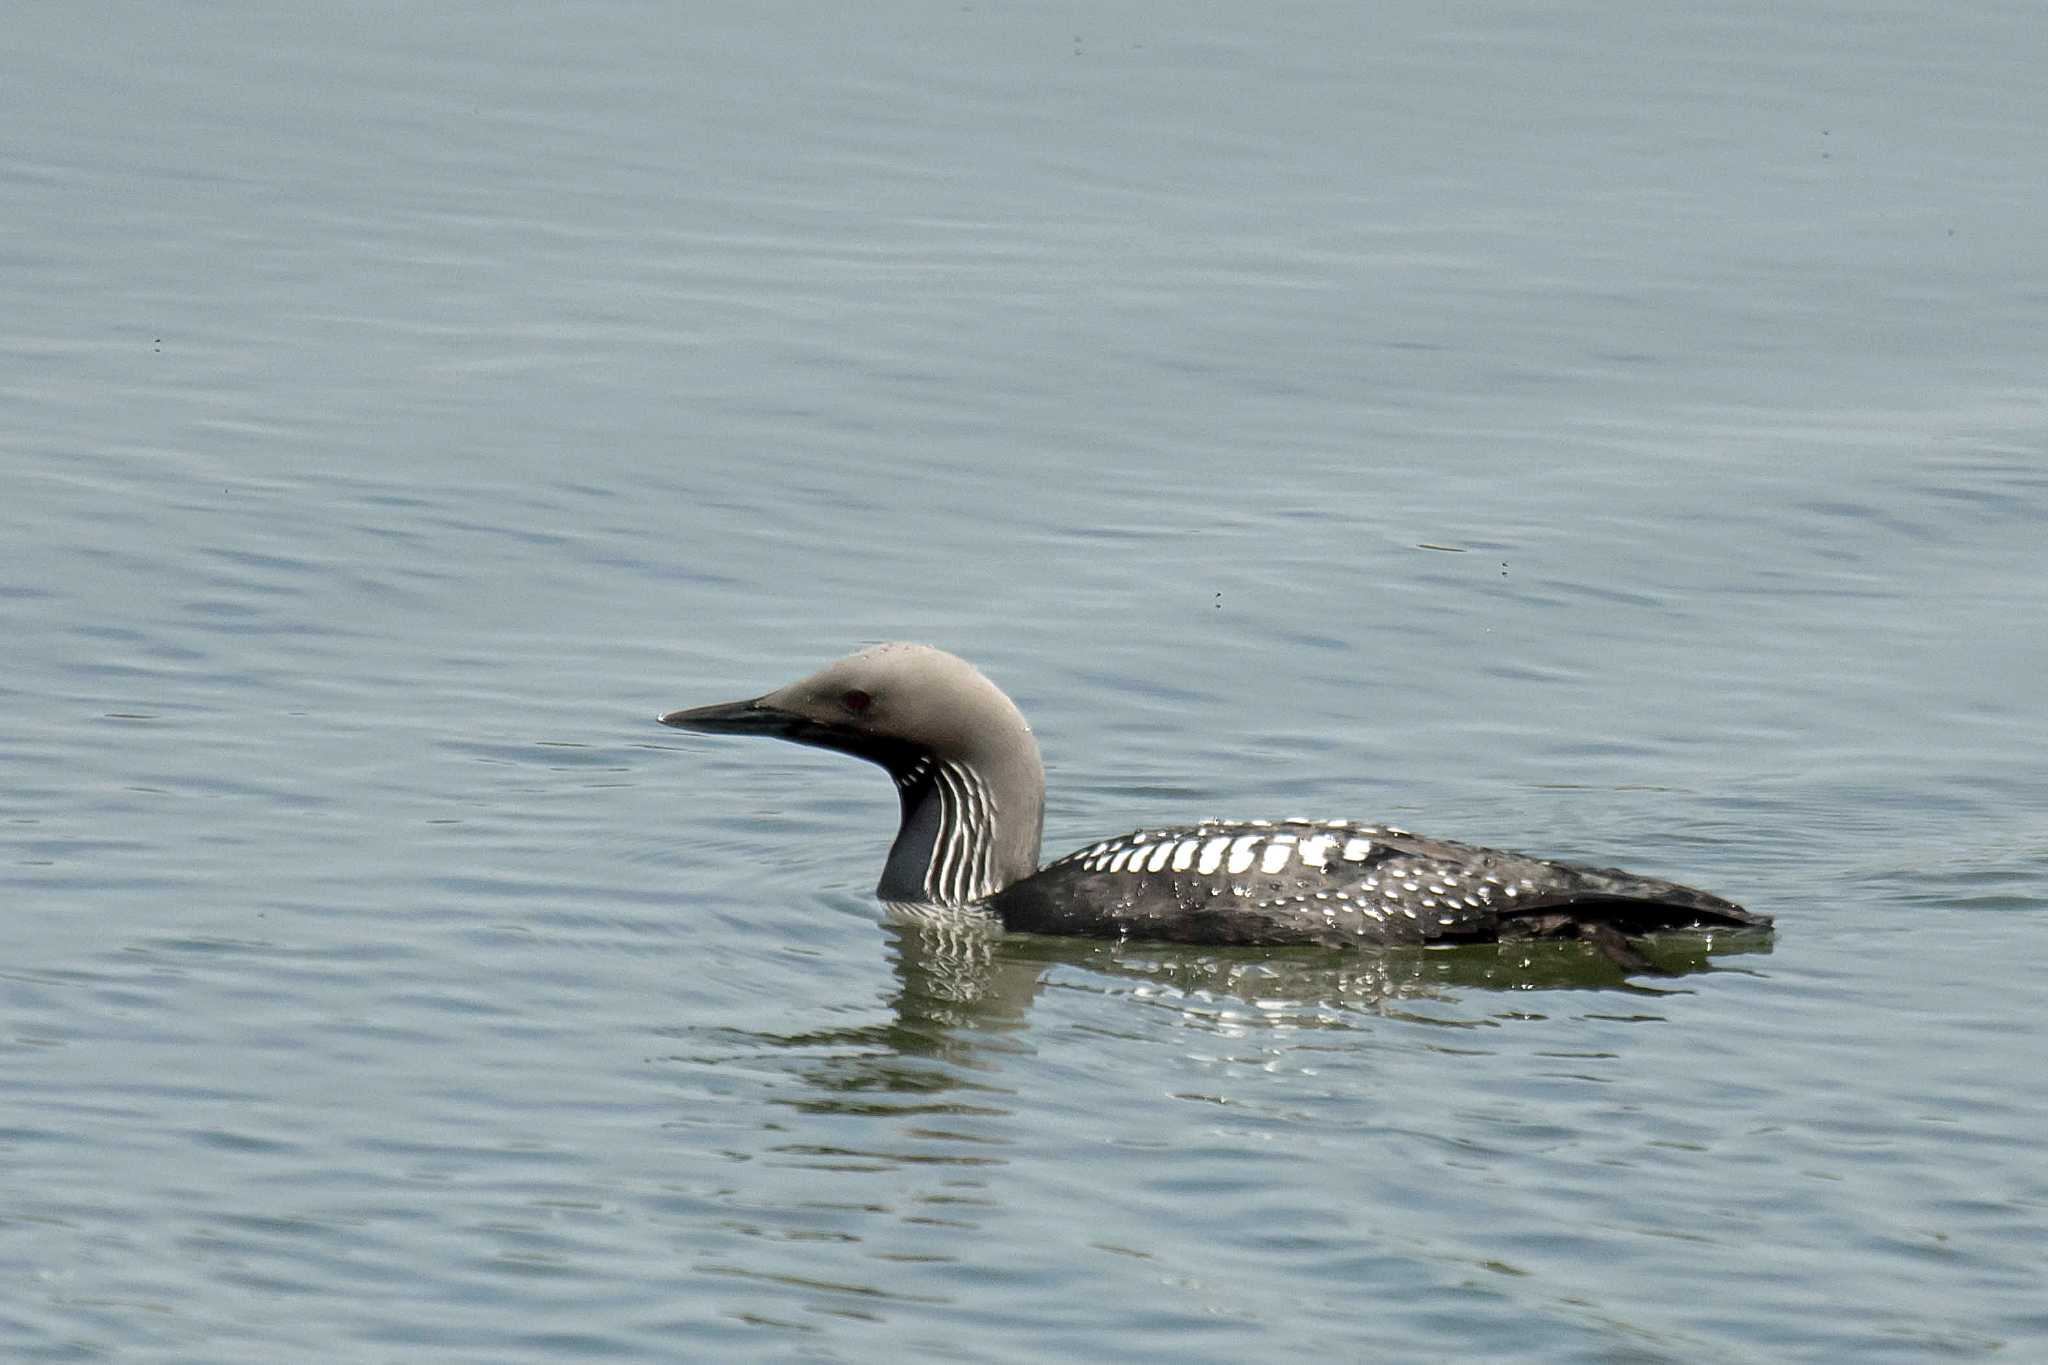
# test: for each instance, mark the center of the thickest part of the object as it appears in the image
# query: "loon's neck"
(968, 830)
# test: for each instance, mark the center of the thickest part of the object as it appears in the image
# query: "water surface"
(401, 411)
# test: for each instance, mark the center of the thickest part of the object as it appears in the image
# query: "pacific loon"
(972, 788)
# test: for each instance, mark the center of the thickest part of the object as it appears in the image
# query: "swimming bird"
(972, 787)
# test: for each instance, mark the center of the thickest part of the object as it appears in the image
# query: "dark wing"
(1341, 884)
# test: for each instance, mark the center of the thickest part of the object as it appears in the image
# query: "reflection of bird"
(973, 793)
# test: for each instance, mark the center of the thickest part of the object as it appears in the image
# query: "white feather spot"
(1184, 854)
(1241, 853)
(1315, 852)
(1116, 864)
(1212, 856)
(1159, 857)
(1357, 850)
(1277, 856)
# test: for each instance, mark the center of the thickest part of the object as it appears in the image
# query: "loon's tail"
(1609, 909)
(1635, 904)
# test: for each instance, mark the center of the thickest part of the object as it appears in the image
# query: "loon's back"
(1339, 884)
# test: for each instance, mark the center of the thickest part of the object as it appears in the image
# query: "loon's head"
(964, 760)
(890, 704)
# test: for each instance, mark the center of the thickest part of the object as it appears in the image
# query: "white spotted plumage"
(1348, 874)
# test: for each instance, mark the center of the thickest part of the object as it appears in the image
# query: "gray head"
(963, 759)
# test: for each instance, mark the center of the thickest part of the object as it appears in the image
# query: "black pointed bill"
(736, 718)
(760, 716)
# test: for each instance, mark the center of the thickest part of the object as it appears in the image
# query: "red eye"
(856, 701)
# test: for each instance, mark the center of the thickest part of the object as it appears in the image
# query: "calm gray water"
(398, 409)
